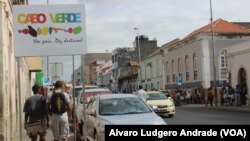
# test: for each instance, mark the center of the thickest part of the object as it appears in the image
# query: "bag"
(36, 128)
(58, 103)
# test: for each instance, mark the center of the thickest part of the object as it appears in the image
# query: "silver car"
(125, 109)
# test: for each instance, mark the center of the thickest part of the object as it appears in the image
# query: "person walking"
(222, 93)
(210, 96)
(58, 104)
(35, 111)
(142, 93)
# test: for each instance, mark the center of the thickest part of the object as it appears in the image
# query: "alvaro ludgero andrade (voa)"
(160, 133)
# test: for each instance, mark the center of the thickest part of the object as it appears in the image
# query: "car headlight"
(155, 107)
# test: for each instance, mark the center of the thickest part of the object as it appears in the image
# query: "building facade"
(11, 101)
(192, 57)
(104, 75)
(92, 60)
(121, 58)
(153, 71)
(237, 58)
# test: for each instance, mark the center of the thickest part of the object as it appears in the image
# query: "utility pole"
(139, 52)
(213, 48)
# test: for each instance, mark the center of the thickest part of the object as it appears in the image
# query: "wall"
(239, 58)
(10, 108)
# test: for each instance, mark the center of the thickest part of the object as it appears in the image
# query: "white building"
(239, 66)
(192, 57)
(153, 71)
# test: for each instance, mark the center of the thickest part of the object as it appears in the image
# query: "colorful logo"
(48, 30)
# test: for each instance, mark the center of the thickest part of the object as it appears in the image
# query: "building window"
(173, 78)
(195, 67)
(179, 66)
(167, 67)
(167, 78)
(195, 75)
(172, 66)
(223, 64)
(186, 68)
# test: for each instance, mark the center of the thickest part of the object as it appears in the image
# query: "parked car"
(122, 109)
(161, 104)
(85, 98)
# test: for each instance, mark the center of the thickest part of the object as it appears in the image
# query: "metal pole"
(83, 93)
(20, 100)
(213, 47)
(73, 94)
(139, 51)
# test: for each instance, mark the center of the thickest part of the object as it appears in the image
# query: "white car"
(85, 98)
(122, 109)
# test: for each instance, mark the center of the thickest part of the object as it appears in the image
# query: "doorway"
(242, 81)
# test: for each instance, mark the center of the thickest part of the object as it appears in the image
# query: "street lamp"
(139, 51)
(213, 48)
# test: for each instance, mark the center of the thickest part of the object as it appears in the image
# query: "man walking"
(59, 105)
(142, 93)
(34, 109)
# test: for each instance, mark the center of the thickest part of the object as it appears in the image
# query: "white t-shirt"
(142, 94)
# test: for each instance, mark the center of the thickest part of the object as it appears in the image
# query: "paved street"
(198, 114)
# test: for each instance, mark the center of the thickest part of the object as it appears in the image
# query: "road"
(204, 116)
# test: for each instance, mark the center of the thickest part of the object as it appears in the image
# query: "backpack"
(58, 103)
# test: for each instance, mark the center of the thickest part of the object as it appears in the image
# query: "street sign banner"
(39, 78)
(178, 80)
(47, 81)
(49, 30)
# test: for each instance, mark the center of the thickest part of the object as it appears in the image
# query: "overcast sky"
(110, 23)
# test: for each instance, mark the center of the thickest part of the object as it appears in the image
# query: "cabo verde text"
(160, 134)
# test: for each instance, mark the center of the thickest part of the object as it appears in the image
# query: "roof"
(220, 26)
(245, 24)
(170, 43)
(117, 96)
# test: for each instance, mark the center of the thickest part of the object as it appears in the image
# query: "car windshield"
(119, 106)
(156, 96)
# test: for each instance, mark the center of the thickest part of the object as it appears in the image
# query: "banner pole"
(20, 100)
(73, 94)
(83, 95)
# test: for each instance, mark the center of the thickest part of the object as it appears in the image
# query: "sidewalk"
(224, 108)
(49, 136)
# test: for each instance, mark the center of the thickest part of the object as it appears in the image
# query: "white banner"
(49, 30)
